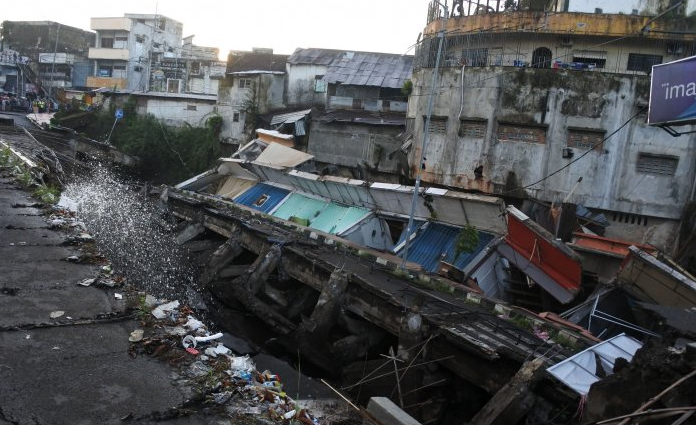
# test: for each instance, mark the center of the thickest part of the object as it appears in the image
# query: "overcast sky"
(387, 26)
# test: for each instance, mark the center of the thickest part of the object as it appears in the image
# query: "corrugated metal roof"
(370, 69)
(322, 215)
(262, 197)
(257, 62)
(313, 56)
(436, 242)
(364, 117)
(233, 186)
(289, 117)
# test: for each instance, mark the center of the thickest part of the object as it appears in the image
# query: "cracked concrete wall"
(552, 100)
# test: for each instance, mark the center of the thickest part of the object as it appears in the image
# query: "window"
(173, 85)
(190, 107)
(319, 84)
(475, 57)
(640, 62)
(107, 43)
(591, 58)
(591, 62)
(521, 133)
(235, 116)
(104, 71)
(438, 125)
(649, 163)
(245, 83)
(195, 68)
(261, 200)
(585, 138)
(472, 128)
(120, 42)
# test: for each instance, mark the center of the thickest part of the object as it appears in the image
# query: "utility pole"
(426, 134)
(53, 68)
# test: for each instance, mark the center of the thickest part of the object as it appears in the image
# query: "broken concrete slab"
(388, 413)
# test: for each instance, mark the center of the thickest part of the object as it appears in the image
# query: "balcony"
(114, 54)
(117, 83)
(110, 24)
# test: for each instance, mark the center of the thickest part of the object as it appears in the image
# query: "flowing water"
(122, 222)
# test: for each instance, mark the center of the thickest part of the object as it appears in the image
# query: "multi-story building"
(137, 52)
(530, 100)
(50, 52)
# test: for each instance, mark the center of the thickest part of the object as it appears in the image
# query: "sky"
(385, 26)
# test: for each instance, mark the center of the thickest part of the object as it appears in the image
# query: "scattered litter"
(193, 351)
(118, 296)
(27, 337)
(55, 348)
(290, 414)
(109, 283)
(242, 363)
(12, 244)
(86, 282)
(107, 269)
(22, 243)
(175, 330)
(216, 351)
(73, 259)
(162, 311)
(189, 341)
(136, 335)
(193, 324)
(57, 222)
(151, 301)
(198, 369)
(56, 314)
(209, 337)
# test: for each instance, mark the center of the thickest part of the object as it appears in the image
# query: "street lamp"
(426, 133)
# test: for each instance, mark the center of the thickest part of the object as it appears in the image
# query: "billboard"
(673, 93)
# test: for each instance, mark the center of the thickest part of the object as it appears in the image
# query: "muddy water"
(124, 224)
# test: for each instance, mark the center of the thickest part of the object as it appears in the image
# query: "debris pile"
(226, 381)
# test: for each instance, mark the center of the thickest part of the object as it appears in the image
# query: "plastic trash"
(193, 351)
(73, 259)
(193, 324)
(162, 311)
(118, 296)
(290, 414)
(86, 282)
(189, 341)
(136, 335)
(241, 363)
(56, 314)
(216, 351)
(209, 337)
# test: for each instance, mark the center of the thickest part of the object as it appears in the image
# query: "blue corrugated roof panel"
(262, 197)
(437, 243)
(322, 215)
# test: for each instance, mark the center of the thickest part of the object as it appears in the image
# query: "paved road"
(74, 369)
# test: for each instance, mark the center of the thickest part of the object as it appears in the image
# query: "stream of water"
(123, 222)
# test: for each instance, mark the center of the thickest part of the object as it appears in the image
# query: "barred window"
(665, 165)
(521, 133)
(585, 138)
(472, 128)
(438, 125)
(641, 62)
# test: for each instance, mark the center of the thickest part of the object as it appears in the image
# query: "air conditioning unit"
(566, 41)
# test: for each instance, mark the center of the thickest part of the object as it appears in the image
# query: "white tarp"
(581, 371)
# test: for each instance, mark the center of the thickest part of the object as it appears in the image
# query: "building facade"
(130, 53)
(529, 103)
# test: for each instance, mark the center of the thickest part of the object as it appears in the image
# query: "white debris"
(163, 310)
(56, 314)
(86, 282)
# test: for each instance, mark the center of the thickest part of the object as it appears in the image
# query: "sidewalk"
(71, 367)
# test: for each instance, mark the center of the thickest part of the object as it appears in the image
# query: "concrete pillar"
(221, 258)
